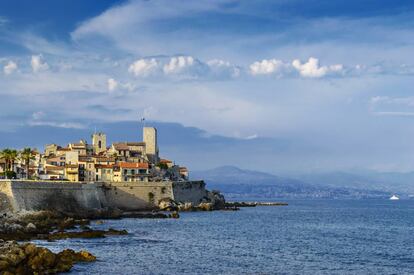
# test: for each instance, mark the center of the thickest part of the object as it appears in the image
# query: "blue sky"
(295, 85)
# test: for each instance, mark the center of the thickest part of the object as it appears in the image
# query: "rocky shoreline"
(27, 258)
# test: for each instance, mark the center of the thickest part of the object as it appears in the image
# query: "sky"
(277, 86)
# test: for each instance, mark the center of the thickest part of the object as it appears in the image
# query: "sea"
(305, 237)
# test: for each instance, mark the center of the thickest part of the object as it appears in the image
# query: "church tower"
(98, 142)
(151, 144)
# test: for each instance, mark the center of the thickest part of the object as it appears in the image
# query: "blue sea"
(306, 237)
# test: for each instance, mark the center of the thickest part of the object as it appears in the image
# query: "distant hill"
(239, 183)
(402, 183)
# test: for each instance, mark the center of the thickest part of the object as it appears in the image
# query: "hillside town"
(93, 162)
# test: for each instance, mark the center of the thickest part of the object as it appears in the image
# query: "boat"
(394, 198)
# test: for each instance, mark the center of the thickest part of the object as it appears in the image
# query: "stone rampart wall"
(136, 196)
(17, 195)
(190, 191)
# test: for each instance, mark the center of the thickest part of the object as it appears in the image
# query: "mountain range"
(239, 183)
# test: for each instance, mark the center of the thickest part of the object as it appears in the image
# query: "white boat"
(394, 198)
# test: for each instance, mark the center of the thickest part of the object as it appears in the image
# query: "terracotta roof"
(183, 169)
(120, 146)
(63, 149)
(165, 161)
(71, 166)
(143, 165)
(135, 143)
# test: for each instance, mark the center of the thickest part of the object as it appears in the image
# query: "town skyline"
(302, 86)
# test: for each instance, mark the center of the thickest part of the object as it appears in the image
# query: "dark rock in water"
(175, 215)
(29, 259)
(88, 234)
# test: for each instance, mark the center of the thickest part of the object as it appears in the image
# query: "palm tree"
(4, 155)
(27, 155)
(10, 156)
(13, 156)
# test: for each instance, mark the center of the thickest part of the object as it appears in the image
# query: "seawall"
(18, 195)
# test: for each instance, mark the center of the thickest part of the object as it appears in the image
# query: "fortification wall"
(6, 197)
(136, 196)
(189, 191)
(17, 195)
(48, 195)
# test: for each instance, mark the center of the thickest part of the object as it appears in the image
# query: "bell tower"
(151, 144)
(99, 143)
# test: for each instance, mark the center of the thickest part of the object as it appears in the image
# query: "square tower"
(151, 144)
(99, 143)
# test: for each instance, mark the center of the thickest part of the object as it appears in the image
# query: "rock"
(3, 265)
(175, 215)
(188, 206)
(167, 204)
(29, 259)
(30, 227)
(206, 206)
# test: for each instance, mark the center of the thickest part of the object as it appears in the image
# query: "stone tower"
(151, 143)
(98, 142)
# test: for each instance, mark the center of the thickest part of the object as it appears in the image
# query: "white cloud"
(310, 69)
(223, 68)
(112, 84)
(184, 67)
(38, 64)
(181, 64)
(313, 70)
(267, 66)
(10, 68)
(144, 67)
(66, 125)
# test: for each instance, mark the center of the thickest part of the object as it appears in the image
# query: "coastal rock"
(29, 259)
(206, 206)
(167, 204)
(175, 215)
(188, 206)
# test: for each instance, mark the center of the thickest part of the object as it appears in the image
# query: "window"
(100, 144)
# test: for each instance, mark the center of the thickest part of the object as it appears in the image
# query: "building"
(132, 161)
(151, 143)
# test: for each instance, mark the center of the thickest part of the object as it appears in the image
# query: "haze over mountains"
(238, 183)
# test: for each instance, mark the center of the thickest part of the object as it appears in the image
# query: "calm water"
(306, 237)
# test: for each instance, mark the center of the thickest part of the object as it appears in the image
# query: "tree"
(27, 155)
(9, 156)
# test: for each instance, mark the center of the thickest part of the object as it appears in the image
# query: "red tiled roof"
(135, 143)
(134, 165)
(121, 146)
(165, 161)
